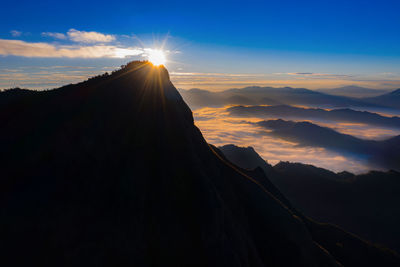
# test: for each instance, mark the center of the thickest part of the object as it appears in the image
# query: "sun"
(157, 57)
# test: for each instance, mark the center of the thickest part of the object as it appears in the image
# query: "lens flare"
(157, 57)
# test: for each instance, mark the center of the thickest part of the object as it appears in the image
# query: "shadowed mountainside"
(113, 172)
(338, 115)
(245, 157)
(365, 204)
(383, 154)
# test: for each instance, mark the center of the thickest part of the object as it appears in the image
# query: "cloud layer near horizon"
(223, 81)
(220, 128)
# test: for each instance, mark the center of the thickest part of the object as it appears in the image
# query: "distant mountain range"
(354, 91)
(337, 115)
(365, 204)
(383, 154)
(113, 172)
(197, 98)
(391, 99)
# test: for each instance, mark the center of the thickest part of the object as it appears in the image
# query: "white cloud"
(46, 50)
(56, 35)
(89, 37)
(15, 33)
(81, 36)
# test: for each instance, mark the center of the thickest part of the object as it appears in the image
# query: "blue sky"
(210, 44)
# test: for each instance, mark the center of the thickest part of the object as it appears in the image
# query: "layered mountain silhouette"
(337, 115)
(198, 98)
(365, 204)
(113, 172)
(383, 154)
(354, 91)
(391, 99)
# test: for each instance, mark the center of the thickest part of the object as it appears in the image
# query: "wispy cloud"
(56, 35)
(317, 75)
(82, 36)
(15, 33)
(89, 37)
(46, 50)
(214, 74)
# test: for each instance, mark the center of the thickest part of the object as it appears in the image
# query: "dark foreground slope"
(365, 204)
(113, 172)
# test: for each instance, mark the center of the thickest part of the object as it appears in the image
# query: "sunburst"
(157, 57)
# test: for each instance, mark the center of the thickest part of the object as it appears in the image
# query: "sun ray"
(157, 57)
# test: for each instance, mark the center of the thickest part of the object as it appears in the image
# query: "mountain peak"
(113, 172)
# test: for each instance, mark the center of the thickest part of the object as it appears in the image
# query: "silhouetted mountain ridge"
(113, 172)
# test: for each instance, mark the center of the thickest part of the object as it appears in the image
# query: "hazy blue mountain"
(354, 91)
(338, 115)
(391, 99)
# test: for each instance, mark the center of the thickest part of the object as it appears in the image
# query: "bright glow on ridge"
(157, 57)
